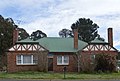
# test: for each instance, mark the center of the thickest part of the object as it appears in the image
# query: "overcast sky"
(51, 16)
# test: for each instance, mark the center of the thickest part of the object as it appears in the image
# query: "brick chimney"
(15, 35)
(75, 30)
(110, 36)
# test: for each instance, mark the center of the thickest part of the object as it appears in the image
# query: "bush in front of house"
(105, 63)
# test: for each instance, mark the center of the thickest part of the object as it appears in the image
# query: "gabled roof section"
(100, 42)
(27, 41)
(57, 44)
(27, 45)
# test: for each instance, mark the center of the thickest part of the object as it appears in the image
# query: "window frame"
(22, 60)
(92, 58)
(62, 60)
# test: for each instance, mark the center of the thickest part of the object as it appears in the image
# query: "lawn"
(50, 75)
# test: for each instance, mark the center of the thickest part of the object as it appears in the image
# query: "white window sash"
(32, 59)
(22, 60)
(66, 58)
(63, 59)
(92, 57)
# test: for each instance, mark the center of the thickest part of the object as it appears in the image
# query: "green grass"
(41, 75)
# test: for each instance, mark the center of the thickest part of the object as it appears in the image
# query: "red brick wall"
(72, 67)
(86, 59)
(12, 67)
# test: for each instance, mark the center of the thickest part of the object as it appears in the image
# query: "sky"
(51, 16)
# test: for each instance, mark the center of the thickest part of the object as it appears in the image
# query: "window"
(18, 59)
(26, 59)
(92, 58)
(62, 60)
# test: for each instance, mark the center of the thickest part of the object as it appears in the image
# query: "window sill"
(25, 64)
(62, 64)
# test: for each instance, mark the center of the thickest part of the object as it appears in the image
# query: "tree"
(7, 26)
(6, 33)
(65, 33)
(100, 38)
(37, 35)
(10, 20)
(87, 30)
(22, 34)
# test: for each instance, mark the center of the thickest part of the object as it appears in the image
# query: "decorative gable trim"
(27, 47)
(93, 47)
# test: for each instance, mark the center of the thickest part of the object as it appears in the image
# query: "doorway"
(50, 64)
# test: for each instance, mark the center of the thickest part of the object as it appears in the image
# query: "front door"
(50, 64)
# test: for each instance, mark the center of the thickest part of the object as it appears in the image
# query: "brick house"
(55, 53)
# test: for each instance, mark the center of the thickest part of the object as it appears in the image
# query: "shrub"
(105, 62)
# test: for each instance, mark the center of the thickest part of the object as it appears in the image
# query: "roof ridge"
(57, 37)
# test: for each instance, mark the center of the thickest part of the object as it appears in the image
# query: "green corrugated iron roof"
(27, 40)
(57, 44)
(98, 41)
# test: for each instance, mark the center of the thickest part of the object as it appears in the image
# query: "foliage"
(86, 28)
(65, 33)
(22, 34)
(100, 38)
(37, 35)
(6, 37)
(105, 62)
(6, 33)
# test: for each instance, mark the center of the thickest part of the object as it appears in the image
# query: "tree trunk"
(77, 58)
(78, 62)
